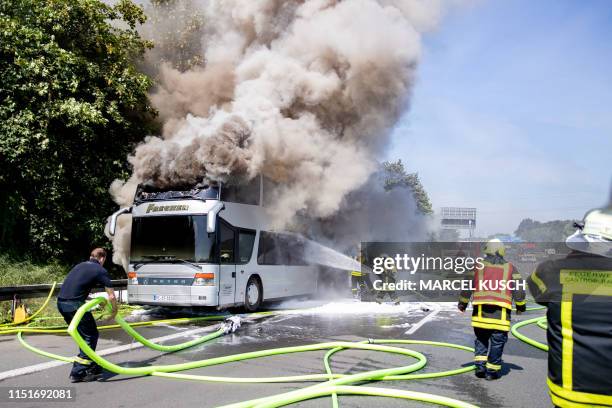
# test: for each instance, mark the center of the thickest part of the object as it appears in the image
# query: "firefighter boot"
(480, 372)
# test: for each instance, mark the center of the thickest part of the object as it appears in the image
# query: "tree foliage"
(396, 176)
(551, 231)
(72, 105)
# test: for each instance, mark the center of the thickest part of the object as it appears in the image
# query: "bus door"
(227, 267)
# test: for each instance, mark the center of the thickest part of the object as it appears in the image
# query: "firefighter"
(73, 294)
(358, 286)
(577, 291)
(388, 277)
(496, 285)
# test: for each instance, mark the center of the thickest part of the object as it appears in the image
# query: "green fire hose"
(540, 321)
(542, 324)
(62, 329)
(331, 385)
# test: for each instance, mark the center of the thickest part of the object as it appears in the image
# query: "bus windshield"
(172, 238)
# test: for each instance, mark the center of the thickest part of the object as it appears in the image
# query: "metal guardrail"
(36, 291)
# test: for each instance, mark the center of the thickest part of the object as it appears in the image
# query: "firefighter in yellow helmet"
(577, 291)
(496, 285)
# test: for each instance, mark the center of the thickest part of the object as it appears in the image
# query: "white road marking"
(113, 350)
(424, 320)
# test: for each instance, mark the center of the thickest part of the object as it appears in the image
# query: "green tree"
(72, 106)
(551, 231)
(396, 176)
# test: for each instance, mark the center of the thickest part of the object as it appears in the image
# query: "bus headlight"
(204, 279)
(132, 278)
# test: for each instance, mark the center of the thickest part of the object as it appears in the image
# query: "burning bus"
(211, 245)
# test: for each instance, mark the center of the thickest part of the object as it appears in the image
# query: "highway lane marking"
(113, 350)
(424, 320)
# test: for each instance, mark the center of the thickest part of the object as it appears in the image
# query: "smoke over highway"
(302, 92)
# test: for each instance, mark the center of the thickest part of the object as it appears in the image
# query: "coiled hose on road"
(331, 384)
(540, 321)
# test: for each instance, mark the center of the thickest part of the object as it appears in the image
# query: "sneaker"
(481, 372)
(88, 377)
(76, 379)
(96, 369)
(493, 376)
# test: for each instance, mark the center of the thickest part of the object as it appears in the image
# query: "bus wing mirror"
(211, 223)
(113, 222)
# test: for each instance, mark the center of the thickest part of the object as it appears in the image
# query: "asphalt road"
(523, 383)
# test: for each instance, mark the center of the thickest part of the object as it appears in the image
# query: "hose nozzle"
(231, 324)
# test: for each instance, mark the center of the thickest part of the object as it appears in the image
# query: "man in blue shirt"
(73, 294)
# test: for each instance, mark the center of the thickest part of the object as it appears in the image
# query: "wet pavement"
(523, 383)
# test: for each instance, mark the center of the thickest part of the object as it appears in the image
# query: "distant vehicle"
(214, 246)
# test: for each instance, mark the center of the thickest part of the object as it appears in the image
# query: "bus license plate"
(163, 297)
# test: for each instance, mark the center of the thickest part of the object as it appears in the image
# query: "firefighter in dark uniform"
(389, 276)
(577, 291)
(357, 283)
(492, 307)
(73, 294)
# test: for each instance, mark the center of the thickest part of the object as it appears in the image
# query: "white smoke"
(303, 92)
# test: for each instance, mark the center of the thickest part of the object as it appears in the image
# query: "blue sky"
(512, 111)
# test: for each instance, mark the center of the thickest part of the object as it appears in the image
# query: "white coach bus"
(211, 246)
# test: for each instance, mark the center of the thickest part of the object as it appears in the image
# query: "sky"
(512, 111)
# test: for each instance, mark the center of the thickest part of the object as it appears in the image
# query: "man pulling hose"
(73, 294)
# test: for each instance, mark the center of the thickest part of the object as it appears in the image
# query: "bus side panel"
(227, 284)
(270, 277)
(281, 281)
(278, 281)
(303, 280)
(273, 281)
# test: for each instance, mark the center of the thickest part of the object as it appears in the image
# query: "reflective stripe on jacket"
(577, 290)
(357, 273)
(492, 317)
(493, 304)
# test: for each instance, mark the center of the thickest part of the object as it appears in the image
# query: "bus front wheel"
(253, 295)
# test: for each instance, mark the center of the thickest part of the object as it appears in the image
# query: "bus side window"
(246, 239)
(293, 247)
(226, 243)
(269, 250)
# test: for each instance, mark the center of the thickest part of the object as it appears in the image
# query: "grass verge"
(25, 272)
